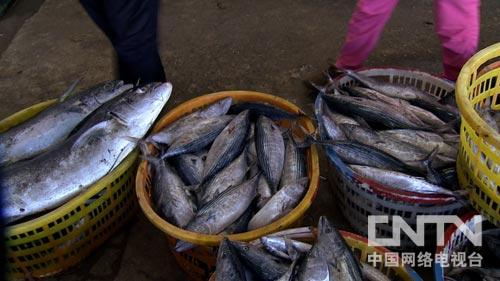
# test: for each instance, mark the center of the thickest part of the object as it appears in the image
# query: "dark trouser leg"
(131, 27)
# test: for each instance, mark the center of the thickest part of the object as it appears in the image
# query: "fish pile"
(489, 254)
(281, 257)
(392, 134)
(63, 150)
(227, 168)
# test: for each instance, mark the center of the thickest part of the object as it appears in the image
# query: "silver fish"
(400, 180)
(270, 150)
(53, 177)
(409, 93)
(283, 247)
(227, 146)
(280, 204)
(53, 125)
(177, 128)
(214, 217)
(170, 195)
(332, 246)
(241, 224)
(289, 275)
(228, 263)
(328, 121)
(295, 163)
(190, 167)
(266, 266)
(314, 267)
(410, 154)
(232, 175)
(426, 141)
(200, 134)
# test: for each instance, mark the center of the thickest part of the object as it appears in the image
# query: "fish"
(375, 111)
(227, 145)
(53, 125)
(284, 248)
(360, 154)
(232, 175)
(488, 116)
(411, 155)
(279, 204)
(314, 267)
(289, 275)
(409, 93)
(424, 140)
(55, 176)
(266, 266)
(370, 273)
(420, 113)
(473, 273)
(200, 134)
(258, 109)
(170, 195)
(264, 192)
(330, 123)
(241, 224)
(168, 134)
(190, 167)
(228, 265)
(214, 217)
(333, 248)
(270, 150)
(400, 181)
(294, 167)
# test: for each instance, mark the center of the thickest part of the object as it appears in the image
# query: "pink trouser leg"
(363, 33)
(457, 25)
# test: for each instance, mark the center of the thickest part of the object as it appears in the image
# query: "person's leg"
(95, 9)
(363, 33)
(457, 25)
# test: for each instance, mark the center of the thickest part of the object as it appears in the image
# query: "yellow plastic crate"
(478, 162)
(61, 238)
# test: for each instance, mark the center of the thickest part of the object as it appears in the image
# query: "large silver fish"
(222, 211)
(52, 178)
(270, 150)
(190, 167)
(53, 125)
(228, 145)
(280, 204)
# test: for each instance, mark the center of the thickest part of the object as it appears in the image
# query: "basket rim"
(213, 240)
(43, 220)
(464, 104)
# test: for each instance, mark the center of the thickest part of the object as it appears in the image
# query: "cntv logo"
(418, 235)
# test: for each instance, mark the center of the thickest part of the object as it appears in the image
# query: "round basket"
(360, 197)
(478, 162)
(360, 248)
(61, 238)
(199, 262)
(454, 241)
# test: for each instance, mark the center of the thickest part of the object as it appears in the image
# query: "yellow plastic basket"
(61, 238)
(199, 262)
(478, 162)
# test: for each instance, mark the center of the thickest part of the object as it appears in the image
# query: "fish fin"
(118, 117)
(70, 91)
(83, 138)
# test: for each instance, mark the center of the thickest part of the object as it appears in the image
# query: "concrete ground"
(206, 46)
